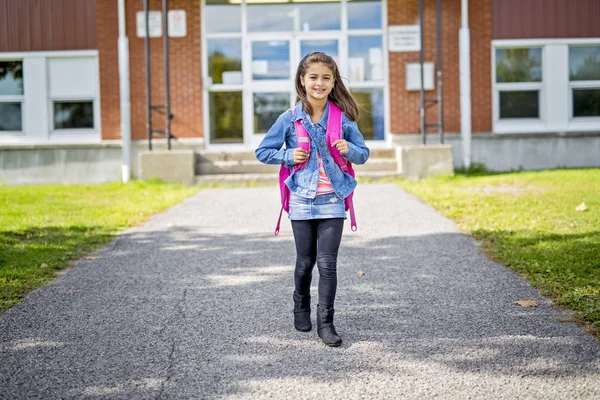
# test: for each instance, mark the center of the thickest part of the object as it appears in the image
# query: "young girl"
(317, 190)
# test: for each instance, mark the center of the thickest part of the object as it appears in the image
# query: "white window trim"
(13, 98)
(47, 134)
(70, 99)
(555, 89)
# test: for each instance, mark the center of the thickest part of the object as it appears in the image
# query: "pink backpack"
(334, 132)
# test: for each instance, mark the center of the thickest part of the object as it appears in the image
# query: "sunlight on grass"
(528, 221)
(44, 227)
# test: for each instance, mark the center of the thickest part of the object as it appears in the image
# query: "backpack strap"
(334, 132)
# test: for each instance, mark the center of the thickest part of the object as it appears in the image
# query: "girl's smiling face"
(318, 82)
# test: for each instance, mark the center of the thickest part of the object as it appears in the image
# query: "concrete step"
(250, 156)
(234, 167)
(253, 166)
(272, 178)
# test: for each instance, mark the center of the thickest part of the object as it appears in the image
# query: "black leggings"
(317, 240)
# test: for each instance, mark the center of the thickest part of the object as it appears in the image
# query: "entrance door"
(272, 77)
(252, 50)
(271, 83)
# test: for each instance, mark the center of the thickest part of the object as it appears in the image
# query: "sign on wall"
(176, 19)
(154, 24)
(177, 23)
(404, 38)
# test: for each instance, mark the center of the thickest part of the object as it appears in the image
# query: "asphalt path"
(197, 304)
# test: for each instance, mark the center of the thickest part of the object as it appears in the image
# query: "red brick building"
(534, 77)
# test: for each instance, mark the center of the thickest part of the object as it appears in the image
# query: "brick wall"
(184, 64)
(404, 105)
(186, 75)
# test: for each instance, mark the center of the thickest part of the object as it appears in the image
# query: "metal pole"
(465, 85)
(166, 57)
(421, 55)
(124, 95)
(439, 70)
(148, 88)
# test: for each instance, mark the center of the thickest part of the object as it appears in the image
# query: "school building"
(513, 84)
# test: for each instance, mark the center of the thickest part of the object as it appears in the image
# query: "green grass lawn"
(44, 227)
(528, 221)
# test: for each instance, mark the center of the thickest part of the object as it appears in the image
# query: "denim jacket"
(304, 181)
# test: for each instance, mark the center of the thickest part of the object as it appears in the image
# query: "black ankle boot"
(325, 327)
(302, 313)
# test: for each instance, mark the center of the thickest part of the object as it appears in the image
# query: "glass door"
(271, 76)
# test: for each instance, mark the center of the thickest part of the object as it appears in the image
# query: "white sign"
(177, 23)
(413, 76)
(404, 38)
(154, 23)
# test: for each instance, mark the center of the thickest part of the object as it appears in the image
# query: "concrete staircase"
(242, 167)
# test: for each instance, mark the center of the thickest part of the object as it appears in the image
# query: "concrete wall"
(74, 164)
(522, 151)
(34, 164)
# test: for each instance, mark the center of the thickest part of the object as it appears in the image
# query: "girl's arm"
(358, 152)
(270, 150)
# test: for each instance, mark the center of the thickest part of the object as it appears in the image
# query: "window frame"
(595, 84)
(556, 114)
(15, 99)
(70, 99)
(508, 125)
(36, 106)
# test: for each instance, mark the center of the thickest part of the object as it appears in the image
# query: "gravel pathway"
(196, 304)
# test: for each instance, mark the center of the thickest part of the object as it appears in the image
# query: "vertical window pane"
(222, 16)
(586, 102)
(226, 122)
(225, 60)
(271, 60)
(73, 115)
(370, 103)
(364, 14)
(365, 62)
(267, 107)
(11, 78)
(584, 63)
(519, 65)
(519, 104)
(11, 117)
(311, 16)
(326, 46)
(273, 17)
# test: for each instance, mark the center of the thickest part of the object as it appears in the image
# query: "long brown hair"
(339, 94)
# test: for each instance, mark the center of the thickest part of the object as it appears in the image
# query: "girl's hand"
(300, 155)
(341, 145)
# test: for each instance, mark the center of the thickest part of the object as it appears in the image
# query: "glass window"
(273, 17)
(584, 63)
(365, 61)
(519, 104)
(222, 16)
(225, 60)
(364, 14)
(226, 122)
(11, 117)
(267, 107)
(586, 102)
(11, 78)
(327, 46)
(519, 65)
(311, 16)
(73, 115)
(370, 104)
(271, 60)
